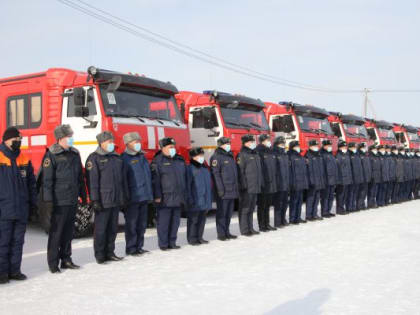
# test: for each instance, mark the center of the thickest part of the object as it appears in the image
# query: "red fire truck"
(380, 132)
(213, 114)
(349, 128)
(299, 122)
(408, 136)
(90, 102)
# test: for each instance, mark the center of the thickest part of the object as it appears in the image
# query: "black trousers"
(327, 199)
(280, 201)
(341, 197)
(135, 226)
(246, 212)
(362, 196)
(263, 210)
(12, 237)
(196, 221)
(223, 216)
(61, 234)
(105, 232)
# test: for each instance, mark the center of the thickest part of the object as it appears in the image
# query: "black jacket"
(250, 172)
(106, 176)
(225, 174)
(62, 176)
(316, 175)
(384, 167)
(298, 171)
(330, 168)
(283, 169)
(170, 181)
(356, 168)
(375, 162)
(345, 176)
(367, 166)
(399, 167)
(269, 169)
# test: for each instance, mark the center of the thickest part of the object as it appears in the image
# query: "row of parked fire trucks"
(99, 100)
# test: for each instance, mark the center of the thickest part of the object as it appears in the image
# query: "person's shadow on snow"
(309, 305)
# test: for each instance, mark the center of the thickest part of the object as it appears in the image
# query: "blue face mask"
(227, 147)
(110, 147)
(172, 152)
(200, 159)
(70, 141)
(137, 147)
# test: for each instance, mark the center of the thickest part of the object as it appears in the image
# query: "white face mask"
(363, 150)
(418, 153)
(395, 152)
(382, 152)
(252, 145)
(402, 152)
(375, 151)
(281, 146)
(267, 144)
(344, 150)
(329, 149)
(200, 159)
(297, 149)
(354, 150)
(388, 152)
(315, 149)
(226, 147)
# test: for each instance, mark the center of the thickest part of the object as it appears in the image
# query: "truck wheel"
(83, 225)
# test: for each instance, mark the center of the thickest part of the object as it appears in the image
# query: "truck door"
(205, 128)
(85, 128)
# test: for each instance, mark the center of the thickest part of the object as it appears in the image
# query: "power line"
(203, 56)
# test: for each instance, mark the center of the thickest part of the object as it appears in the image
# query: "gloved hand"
(220, 193)
(96, 206)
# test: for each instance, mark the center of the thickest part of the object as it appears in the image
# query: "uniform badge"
(89, 165)
(23, 172)
(47, 163)
(238, 160)
(214, 163)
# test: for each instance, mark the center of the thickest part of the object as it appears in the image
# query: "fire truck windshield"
(386, 134)
(141, 103)
(314, 124)
(355, 130)
(244, 118)
(413, 136)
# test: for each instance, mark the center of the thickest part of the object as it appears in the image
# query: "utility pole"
(365, 104)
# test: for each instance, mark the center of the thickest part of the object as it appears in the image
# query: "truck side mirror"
(79, 96)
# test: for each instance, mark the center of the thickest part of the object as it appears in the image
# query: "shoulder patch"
(89, 165)
(238, 160)
(47, 162)
(214, 163)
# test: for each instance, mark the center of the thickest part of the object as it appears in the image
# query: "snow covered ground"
(364, 263)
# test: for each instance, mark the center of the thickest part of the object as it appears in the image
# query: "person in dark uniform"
(316, 179)
(367, 173)
(298, 182)
(139, 178)
(412, 182)
(171, 193)
(358, 178)
(201, 197)
(404, 184)
(392, 175)
(331, 179)
(106, 176)
(17, 196)
(376, 177)
(62, 185)
(380, 198)
(280, 198)
(225, 178)
(250, 183)
(417, 187)
(399, 175)
(345, 177)
(265, 198)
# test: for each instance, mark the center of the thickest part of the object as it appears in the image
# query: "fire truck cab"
(349, 128)
(299, 122)
(90, 102)
(212, 114)
(380, 132)
(408, 136)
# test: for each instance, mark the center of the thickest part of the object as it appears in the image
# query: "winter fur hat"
(104, 136)
(62, 131)
(131, 136)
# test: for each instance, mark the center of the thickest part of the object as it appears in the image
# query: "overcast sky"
(334, 44)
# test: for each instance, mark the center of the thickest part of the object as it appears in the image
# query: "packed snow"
(364, 263)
